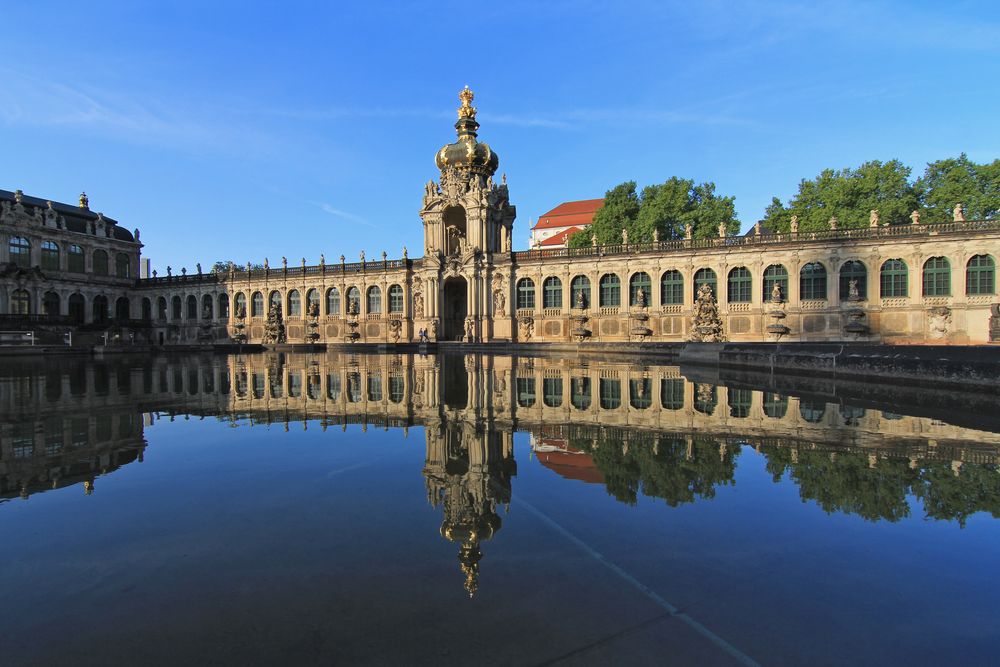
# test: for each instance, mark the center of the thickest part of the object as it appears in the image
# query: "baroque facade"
(911, 283)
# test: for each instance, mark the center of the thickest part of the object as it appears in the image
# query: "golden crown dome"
(467, 155)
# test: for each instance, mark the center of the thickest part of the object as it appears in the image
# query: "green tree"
(960, 181)
(224, 265)
(849, 195)
(620, 211)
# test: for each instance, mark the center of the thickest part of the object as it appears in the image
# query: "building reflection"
(636, 429)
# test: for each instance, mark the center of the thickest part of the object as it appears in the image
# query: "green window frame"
(294, 304)
(374, 387)
(812, 282)
(552, 392)
(256, 305)
(100, 260)
(395, 299)
(776, 274)
(853, 270)
(980, 275)
(552, 293)
(706, 397)
(672, 393)
(610, 393)
(740, 285)
(706, 276)
(894, 279)
(373, 300)
(640, 393)
(610, 290)
(525, 388)
(740, 401)
(50, 256)
(775, 405)
(19, 249)
(354, 299)
(671, 288)
(333, 301)
(639, 281)
(312, 302)
(579, 285)
(937, 277)
(812, 411)
(397, 388)
(580, 392)
(76, 261)
(123, 266)
(525, 294)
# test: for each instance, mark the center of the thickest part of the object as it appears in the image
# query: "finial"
(404, 252)
(18, 196)
(384, 255)
(84, 200)
(136, 232)
(466, 110)
(48, 204)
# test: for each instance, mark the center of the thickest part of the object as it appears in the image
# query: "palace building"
(911, 283)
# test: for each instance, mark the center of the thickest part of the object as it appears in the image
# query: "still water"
(387, 509)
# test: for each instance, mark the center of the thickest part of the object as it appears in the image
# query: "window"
(123, 267)
(294, 385)
(75, 261)
(397, 388)
(294, 304)
(580, 393)
(775, 405)
(937, 277)
(161, 308)
(241, 305)
(333, 301)
(50, 303)
(99, 306)
(706, 397)
(395, 299)
(552, 293)
(776, 274)
(853, 271)
(147, 309)
(672, 394)
(740, 284)
(893, 279)
(122, 309)
(206, 307)
(812, 411)
(812, 282)
(374, 300)
(640, 393)
(175, 308)
(611, 393)
(100, 263)
(579, 289)
(375, 387)
(353, 300)
(525, 294)
(705, 277)
(312, 302)
(525, 392)
(610, 290)
(20, 251)
(224, 306)
(192, 307)
(333, 386)
(639, 281)
(77, 308)
(20, 302)
(257, 305)
(739, 402)
(50, 256)
(552, 391)
(274, 301)
(671, 288)
(980, 275)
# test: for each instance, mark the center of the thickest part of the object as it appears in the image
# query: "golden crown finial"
(466, 110)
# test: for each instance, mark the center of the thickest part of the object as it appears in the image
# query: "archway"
(455, 229)
(455, 308)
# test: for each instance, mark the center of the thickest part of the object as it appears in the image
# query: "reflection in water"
(636, 429)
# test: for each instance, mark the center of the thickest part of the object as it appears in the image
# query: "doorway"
(455, 307)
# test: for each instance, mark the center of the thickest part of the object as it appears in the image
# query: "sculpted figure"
(198, 265)
(689, 231)
(624, 237)
(958, 214)
(873, 218)
(756, 228)
(794, 224)
(852, 289)
(656, 236)
(581, 303)
(722, 230)
(470, 330)
(640, 298)
(915, 217)
(593, 240)
(833, 223)
(776, 293)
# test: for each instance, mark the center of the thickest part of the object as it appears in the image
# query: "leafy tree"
(667, 208)
(849, 195)
(960, 181)
(223, 266)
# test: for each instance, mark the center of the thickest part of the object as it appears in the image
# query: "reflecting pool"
(476, 509)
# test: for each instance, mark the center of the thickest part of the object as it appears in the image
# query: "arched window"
(353, 300)
(980, 275)
(579, 388)
(739, 285)
(75, 260)
(175, 308)
(639, 281)
(241, 305)
(706, 397)
(853, 271)
(223, 306)
(312, 302)
(552, 392)
(937, 277)
(147, 309)
(100, 263)
(333, 301)
(775, 405)
(705, 277)
(672, 393)
(192, 307)
(395, 299)
(294, 304)
(893, 279)
(640, 393)
(20, 252)
(776, 274)
(812, 282)
(206, 307)
(257, 305)
(579, 289)
(610, 290)
(671, 288)
(123, 267)
(812, 411)
(122, 309)
(552, 293)
(525, 294)
(161, 308)
(99, 308)
(77, 308)
(610, 393)
(50, 256)
(374, 300)
(20, 302)
(739, 402)
(525, 390)
(50, 303)
(274, 301)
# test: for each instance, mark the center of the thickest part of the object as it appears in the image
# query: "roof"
(570, 464)
(559, 238)
(570, 213)
(76, 218)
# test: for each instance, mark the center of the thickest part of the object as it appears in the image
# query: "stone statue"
(873, 218)
(322, 259)
(776, 293)
(756, 228)
(206, 311)
(274, 328)
(499, 298)
(84, 200)
(362, 256)
(852, 289)
(833, 223)
(169, 271)
(198, 267)
(640, 298)
(593, 240)
(656, 236)
(503, 178)
(722, 230)
(284, 263)
(384, 255)
(470, 330)
(958, 213)
(418, 297)
(624, 236)
(136, 229)
(689, 231)
(267, 266)
(405, 255)
(581, 302)
(915, 217)
(794, 224)
(506, 241)
(707, 325)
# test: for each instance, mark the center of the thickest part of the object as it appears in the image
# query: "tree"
(223, 266)
(960, 181)
(666, 208)
(849, 195)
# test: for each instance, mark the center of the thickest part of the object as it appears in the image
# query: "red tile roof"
(559, 238)
(570, 213)
(571, 465)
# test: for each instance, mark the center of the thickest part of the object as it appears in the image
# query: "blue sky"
(239, 130)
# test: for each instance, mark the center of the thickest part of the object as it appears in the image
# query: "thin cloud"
(336, 212)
